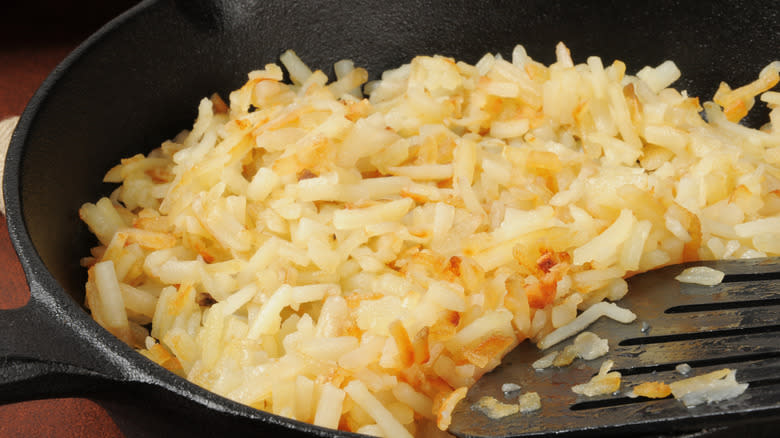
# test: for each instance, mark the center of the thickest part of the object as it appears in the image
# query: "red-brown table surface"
(35, 35)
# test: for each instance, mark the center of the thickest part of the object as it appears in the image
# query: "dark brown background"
(35, 35)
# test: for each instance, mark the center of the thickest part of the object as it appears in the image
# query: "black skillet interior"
(137, 82)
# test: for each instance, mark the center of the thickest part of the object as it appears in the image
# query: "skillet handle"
(47, 352)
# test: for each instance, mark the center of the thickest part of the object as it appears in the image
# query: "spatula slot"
(662, 367)
(612, 402)
(764, 382)
(690, 308)
(699, 335)
(761, 276)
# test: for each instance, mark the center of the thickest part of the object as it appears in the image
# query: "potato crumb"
(683, 369)
(589, 346)
(508, 388)
(708, 388)
(566, 356)
(703, 275)
(495, 409)
(529, 402)
(545, 361)
(651, 390)
(605, 382)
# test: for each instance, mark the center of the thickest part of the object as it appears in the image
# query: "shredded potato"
(605, 382)
(359, 262)
(703, 275)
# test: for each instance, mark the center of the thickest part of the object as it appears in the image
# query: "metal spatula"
(735, 324)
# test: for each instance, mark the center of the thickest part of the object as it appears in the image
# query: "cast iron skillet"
(137, 82)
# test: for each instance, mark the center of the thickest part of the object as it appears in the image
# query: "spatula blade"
(735, 324)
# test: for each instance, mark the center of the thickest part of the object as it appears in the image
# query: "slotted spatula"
(735, 324)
